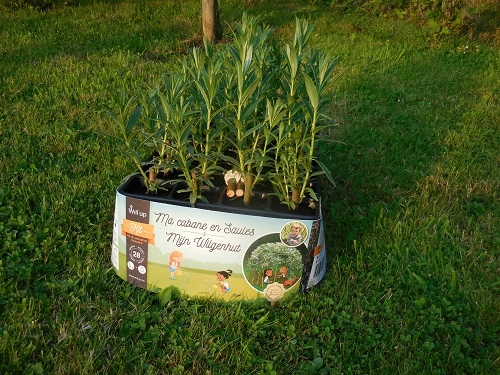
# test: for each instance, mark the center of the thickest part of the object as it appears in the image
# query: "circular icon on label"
(274, 292)
(141, 269)
(136, 254)
(294, 233)
(130, 265)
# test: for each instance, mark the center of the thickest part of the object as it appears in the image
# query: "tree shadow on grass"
(393, 119)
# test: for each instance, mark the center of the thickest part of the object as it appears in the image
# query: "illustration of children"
(222, 276)
(267, 274)
(283, 272)
(294, 238)
(175, 262)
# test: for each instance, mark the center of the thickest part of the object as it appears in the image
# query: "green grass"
(413, 222)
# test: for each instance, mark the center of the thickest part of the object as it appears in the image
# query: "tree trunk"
(210, 22)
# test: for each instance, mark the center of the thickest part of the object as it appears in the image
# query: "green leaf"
(204, 93)
(229, 159)
(249, 109)
(248, 58)
(185, 133)
(133, 119)
(254, 129)
(326, 170)
(112, 115)
(238, 124)
(292, 60)
(317, 363)
(267, 133)
(259, 322)
(317, 173)
(165, 295)
(312, 92)
(249, 91)
(312, 193)
(202, 198)
(297, 134)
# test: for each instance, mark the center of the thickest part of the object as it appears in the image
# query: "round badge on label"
(136, 254)
(274, 292)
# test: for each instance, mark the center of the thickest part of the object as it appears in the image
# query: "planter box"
(215, 249)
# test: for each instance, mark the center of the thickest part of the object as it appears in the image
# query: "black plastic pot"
(222, 248)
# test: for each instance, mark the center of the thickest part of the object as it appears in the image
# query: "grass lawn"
(413, 223)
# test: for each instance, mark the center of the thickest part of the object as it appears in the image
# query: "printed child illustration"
(294, 238)
(175, 262)
(267, 274)
(222, 276)
(283, 272)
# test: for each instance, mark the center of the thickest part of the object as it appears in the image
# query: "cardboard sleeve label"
(213, 253)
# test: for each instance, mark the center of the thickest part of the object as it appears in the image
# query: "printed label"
(206, 253)
(138, 235)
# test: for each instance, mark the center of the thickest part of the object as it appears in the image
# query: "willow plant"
(126, 121)
(255, 104)
(205, 71)
(317, 85)
(155, 135)
(177, 116)
(298, 135)
(247, 85)
(153, 123)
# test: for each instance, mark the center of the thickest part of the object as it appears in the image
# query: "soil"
(263, 201)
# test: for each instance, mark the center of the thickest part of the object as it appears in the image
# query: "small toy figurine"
(235, 184)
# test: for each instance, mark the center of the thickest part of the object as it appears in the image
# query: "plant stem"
(240, 188)
(152, 174)
(194, 183)
(231, 187)
(248, 189)
(296, 196)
